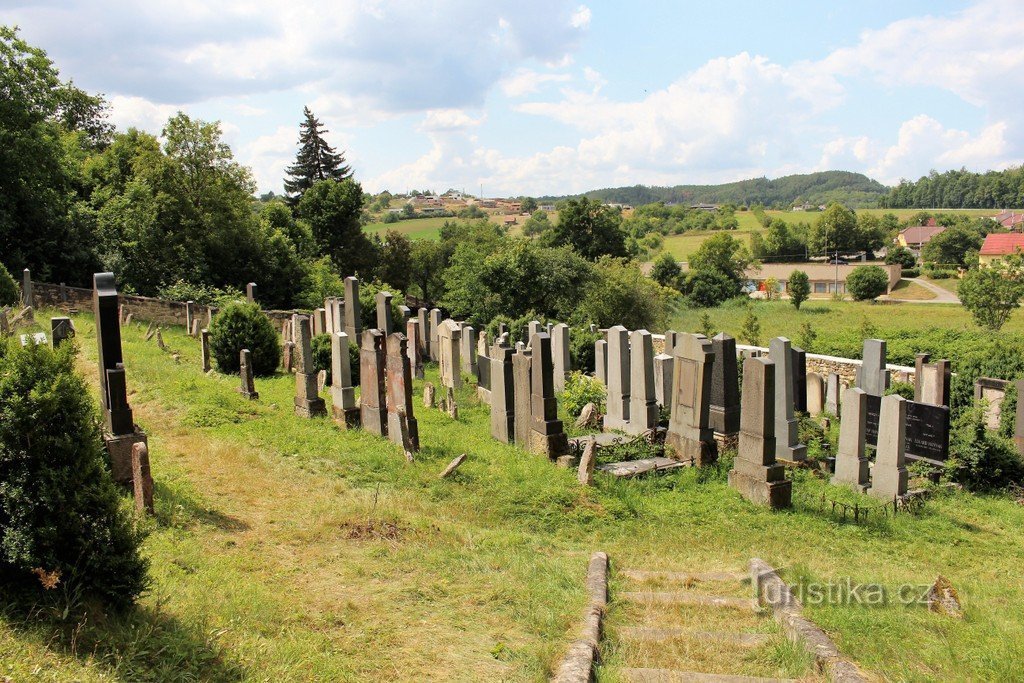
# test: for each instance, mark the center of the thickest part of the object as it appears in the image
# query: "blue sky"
(547, 97)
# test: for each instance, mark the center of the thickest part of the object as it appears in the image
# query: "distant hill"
(853, 189)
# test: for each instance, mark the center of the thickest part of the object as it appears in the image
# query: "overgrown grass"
(285, 549)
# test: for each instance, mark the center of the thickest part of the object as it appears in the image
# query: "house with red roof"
(1013, 220)
(915, 237)
(999, 246)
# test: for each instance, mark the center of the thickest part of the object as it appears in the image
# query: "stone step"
(672, 676)
(691, 598)
(656, 635)
(685, 577)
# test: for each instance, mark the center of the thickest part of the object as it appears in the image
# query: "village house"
(825, 278)
(1012, 220)
(915, 237)
(998, 246)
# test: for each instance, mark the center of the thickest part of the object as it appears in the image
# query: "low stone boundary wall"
(578, 665)
(846, 368)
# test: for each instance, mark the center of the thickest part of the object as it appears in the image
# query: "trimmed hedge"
(244, 326)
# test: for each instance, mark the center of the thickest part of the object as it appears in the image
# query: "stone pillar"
(872, 376)
(483, 378)
(663, 366)
(371, 382)
(601, 361)
(643, 408)
(28, 298)
(190, 316)
(61, 330)
(503, 414)
(671, 337)
(467, 353)
(522, 376)
(756, 474)
(560, 354)
(319, 322)
(204, 337)
(889, 476)
(399, 393)
(690, 437)
(406, 314)
(532, 328)
(832, 392)
(851, 462)
(423, 317)
(618, 379)
(353, 311)
(919, 361)
(307, 400)
(932, 385)
(725, 386)
(414, 337)
(787, 438)
(343, 393)
(815, 387)
(248, 385)
(547, 436)
(799, 379)
(435, 326)
(338, 313)
(384, 319)
(449, 336)
(250, 292)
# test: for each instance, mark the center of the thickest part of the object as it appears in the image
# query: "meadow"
(285, 549)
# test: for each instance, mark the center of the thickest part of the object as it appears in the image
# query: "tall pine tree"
(315, 161)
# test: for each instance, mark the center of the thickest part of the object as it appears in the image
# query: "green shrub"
(244, 326)
(867, 282)
(580, 390)
(322, 356)
(979, 459)
(941, 274)
(581, 346)
(910, 272)
(10, 295)
(204, 295)
(904, 389)
(60, 513)
(368, 304)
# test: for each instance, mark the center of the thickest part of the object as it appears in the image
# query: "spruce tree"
(315, 161)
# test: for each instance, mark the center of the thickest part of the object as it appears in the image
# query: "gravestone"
(931, 385)
(663, 379)
(307, 401)
(756, 474)
(399, 394)
(28, 298)
(353, 311)
(372, 395)
(690, 437)
(533, 328)
(725, 386)
(449, 336)
(329, 315)
(384, 319)
(248, 385)
(1018, 418)
(643, 408)
(927, 429)
(872, 375)
(337, 306)
(601, 361)
(815, 387)
(190, 316)
(502, 329)
(671, 338)
(547, 435)
(435, 327)
(483, 378)
(851, 461)
(919, 361)
(319, 322)
(832, 391)
(61, 330)
(522, 377)
(618, 379)
(288, 357)
(787, 438)
(344, 411)
(560, 355)
(503, 413)
(467, 352)
(799, 379)
(993, 392)
(250, 292)
(889, 476)
(423, 316)
(414, 337)
(204, 337)
(406, 314)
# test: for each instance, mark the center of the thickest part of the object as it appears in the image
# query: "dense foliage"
(799, 288)
(10, 294)
(315, 161)
(867, 282)
(960, 189)
(993, 294)
(244, 326)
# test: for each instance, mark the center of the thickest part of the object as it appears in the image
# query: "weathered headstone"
(429, 395)
(889, 476)
(372, 396)
(832, 391)
(343, 394)
(547, 435)
(385, 323)
(560, 354)
(919, 361)
(503, 412)
(1018, 418)
(28, 298)
(851, 461)
(424, 319)
(585, 472)
(449, 337)
(467, 353)
(815, 387)
(756, 474)
(787, 438)
(288, 357)
(250, 292)
(307, 400)
(193, 332)
(406, 314)
(534, 327)
(932, 385)
(872, 375)
(337, 307)
(204, 337)
(142, 479)
(671, 337)
(414, 335)
(248, 385)
(690, 437)
(435, 326)
(523, 378)
(190, 315)
(601, 361)
(643, 408)
(799, 379)
(618, 379)
(353, 312)
(663, 366)
(725, 386)
(399, 394)
(61, 329)
(991, 390)
(321, 381)
(319, 322)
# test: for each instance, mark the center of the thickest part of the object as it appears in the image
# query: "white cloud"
(527, 81)
(580, 18)
(448, 120)
(138, 112)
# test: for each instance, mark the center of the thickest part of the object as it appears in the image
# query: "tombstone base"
(727, 442)
(374, 420)
(310, 407)
(120, 450)
(483, 395)
(854, 474)
(251, 395)
(724, 420)
(775, 494)
(698, 452)
(346, 418)
(889, 485)
(412, 431)
(551, 445)
(791, 454)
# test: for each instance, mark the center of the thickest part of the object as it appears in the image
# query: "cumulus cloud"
(527, 82)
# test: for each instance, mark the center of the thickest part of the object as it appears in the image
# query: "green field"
(285, 549)
(414, 229)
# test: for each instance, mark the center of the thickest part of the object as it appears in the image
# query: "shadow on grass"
(175, 508)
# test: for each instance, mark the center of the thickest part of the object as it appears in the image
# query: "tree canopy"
(315, 161)
(590, 228)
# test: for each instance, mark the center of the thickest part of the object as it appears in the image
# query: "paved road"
(942, 296)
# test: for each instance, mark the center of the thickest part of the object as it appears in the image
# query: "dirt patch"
(373, 529)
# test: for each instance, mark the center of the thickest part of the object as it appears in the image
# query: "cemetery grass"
(284, 549)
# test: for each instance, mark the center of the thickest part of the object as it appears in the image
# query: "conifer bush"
(65, 530)
(9, 293)
(244, 326)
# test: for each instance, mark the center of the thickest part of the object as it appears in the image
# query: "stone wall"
(846, 368)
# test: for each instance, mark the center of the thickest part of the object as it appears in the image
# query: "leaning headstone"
(643, 408)
(204, 337)
(585, 473)
(307, 400)
(449, 337)
(385, 322)
(690, 437)
(142, 478)
(344, 411)
(250, 292)
(467, 352)
(872, 375)
(547, 435)
(450, 406)
(503, 412)
(402, 426)
(618, 379)
(815, 388)
(725, 386)
(851, 461)
(832, 391)
(28, 298)
(560, 354)
(160, 340)
(522, 376)
(248, 386)
(61, 329)
(130, 317)
(601, 361)
(372, 401)
(435, 327)
(429, 395)
(799, 379)
(756, 474)
(663, 379)
(889, 475)
(787, 438)
(353, 312)
(414, 335)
